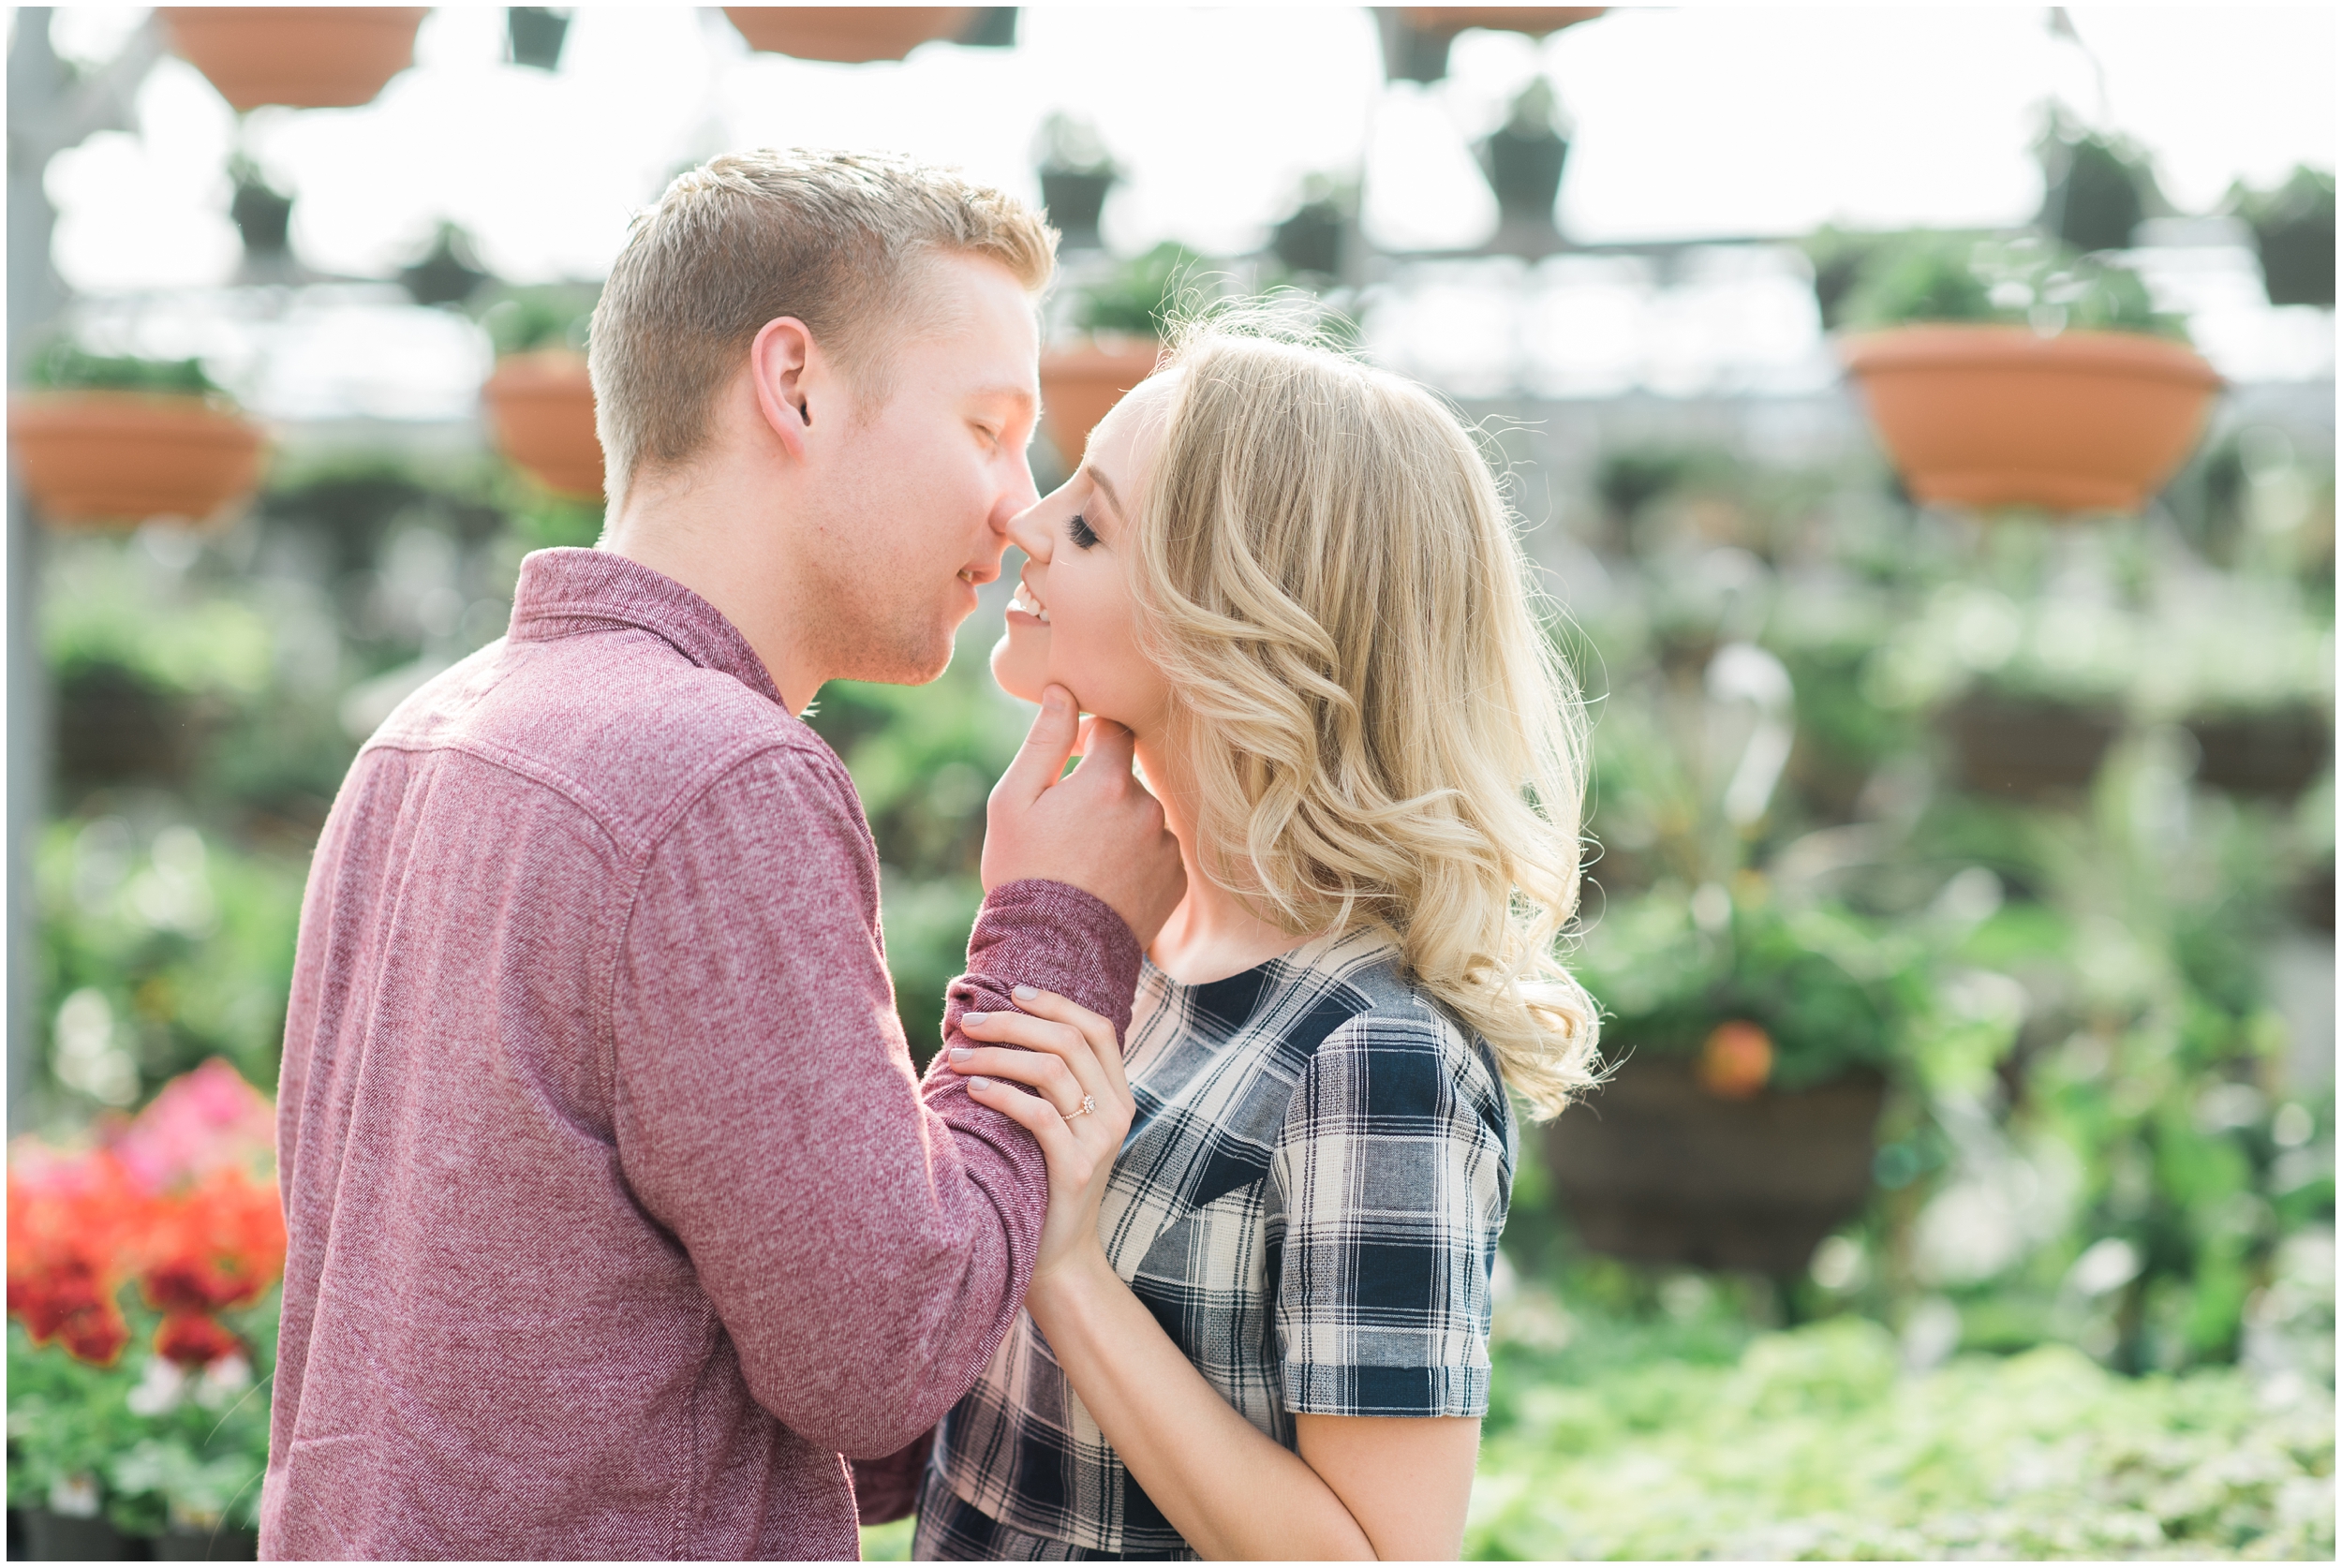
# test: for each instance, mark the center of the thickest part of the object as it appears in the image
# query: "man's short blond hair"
(836, 240)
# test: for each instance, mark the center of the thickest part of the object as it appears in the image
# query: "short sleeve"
(1389, 1184)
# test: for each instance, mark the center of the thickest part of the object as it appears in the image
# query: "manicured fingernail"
(960, 1052)
(976, 1083)
(1024, 993)
(968, 1019)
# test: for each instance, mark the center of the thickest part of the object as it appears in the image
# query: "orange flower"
(220, 1243)
(1735, 1060)
(194, 1341)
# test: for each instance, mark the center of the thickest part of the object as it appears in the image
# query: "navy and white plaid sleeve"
(1387, 1191)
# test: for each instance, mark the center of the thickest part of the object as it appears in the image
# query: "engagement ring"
(1088, 1106)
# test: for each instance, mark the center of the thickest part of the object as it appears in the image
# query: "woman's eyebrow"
(1098, 478)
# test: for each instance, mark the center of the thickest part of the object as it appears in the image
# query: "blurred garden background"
(1922, 420)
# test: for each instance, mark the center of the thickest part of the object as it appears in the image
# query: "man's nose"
(1008, 513)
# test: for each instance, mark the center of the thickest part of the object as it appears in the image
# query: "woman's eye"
(1079, 531)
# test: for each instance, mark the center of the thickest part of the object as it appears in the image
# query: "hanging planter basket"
(541, 407)
(1073, 199)
(1991, 416)
(1079, 385)
(117, 459)
(1415, 39)
(1658, 1168)
(2027, 747)
(2275, 753)
(849, 35)
(303, 56)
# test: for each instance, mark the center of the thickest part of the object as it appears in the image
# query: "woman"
(1259, 1328)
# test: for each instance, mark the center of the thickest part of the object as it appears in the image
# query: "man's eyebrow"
(1098, 478)
(1022, 396)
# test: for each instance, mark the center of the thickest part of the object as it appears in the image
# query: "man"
(617, 1224)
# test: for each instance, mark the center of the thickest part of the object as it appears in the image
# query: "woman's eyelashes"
(1077, 529)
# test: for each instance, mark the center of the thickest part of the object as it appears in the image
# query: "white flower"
(160, 1390)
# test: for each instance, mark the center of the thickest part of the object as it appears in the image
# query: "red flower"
(194, 1341)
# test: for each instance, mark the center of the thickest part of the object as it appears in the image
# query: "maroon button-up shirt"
(619, 1223)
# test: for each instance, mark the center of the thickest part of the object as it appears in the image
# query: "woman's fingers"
(1094, 1030)
(1044, 1073)
(1068, 1161)
(1062, 1046)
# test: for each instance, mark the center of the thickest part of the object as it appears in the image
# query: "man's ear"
(781, 363)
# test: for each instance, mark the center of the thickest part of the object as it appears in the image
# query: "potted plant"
(1751, 1046)
(1415, 39)
(540, 399)
(849, 35)
(108, 442)
(141, 1272)
(2098, 188)
(1524, 160)
(2023, 377)
(304, 56)
(1313, 241)
(1120, 316)
(448, 273)
(533, 36)
(1077, 172)
(2292, 229)
(262, 213)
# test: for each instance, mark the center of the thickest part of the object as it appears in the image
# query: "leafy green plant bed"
(1814, 1444)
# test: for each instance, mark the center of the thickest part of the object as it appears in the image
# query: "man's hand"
(1098, 830)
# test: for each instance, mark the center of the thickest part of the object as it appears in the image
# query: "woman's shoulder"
(1399, 1054)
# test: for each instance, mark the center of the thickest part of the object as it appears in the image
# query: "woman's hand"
(1079, 1112)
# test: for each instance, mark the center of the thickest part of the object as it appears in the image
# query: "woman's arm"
(1361, 1488)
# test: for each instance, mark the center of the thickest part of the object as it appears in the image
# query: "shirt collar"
(565, 591)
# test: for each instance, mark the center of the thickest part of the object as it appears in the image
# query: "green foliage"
(519, 318)
(1814, 1444)
(167, 947)
(1832, 989)
(64, 366)
(924, 760)
(1946, 277)
(1141, 296)
(162, 1452)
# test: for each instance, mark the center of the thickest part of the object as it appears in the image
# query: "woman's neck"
(1213, 934)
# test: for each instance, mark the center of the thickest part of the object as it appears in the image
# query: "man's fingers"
(1041, 759)
(1108, 745)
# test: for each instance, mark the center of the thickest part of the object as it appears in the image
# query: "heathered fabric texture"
(617, 1219)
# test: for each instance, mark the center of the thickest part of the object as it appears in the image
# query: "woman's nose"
(1027, 532)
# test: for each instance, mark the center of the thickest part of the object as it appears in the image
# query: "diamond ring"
(1088, 1104)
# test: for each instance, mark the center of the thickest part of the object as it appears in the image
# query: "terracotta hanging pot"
(849, 35)
(1659, 1167)
(1992, 416)
(541, 407)
(1079, 385)
(1535, 20)
(305, 56)
(117, 459)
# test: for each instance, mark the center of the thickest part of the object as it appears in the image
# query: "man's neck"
(695, 534)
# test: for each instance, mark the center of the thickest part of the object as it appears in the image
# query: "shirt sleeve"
(1389, 1184)
(864, 1243)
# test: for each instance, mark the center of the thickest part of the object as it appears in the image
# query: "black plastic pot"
(1074, 199)
(1524, 168)
(2027, 747)
(216, 1546)
(1311, 240)
(114, 728)
(2296, 244)
(264, 218)
(55, 1538)
(1655, 1168)
(535, 34)
(2276, 754)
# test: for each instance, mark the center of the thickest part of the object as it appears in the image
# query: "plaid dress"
(1308, 1203)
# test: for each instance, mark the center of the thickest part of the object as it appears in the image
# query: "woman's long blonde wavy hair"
(1380, 729)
